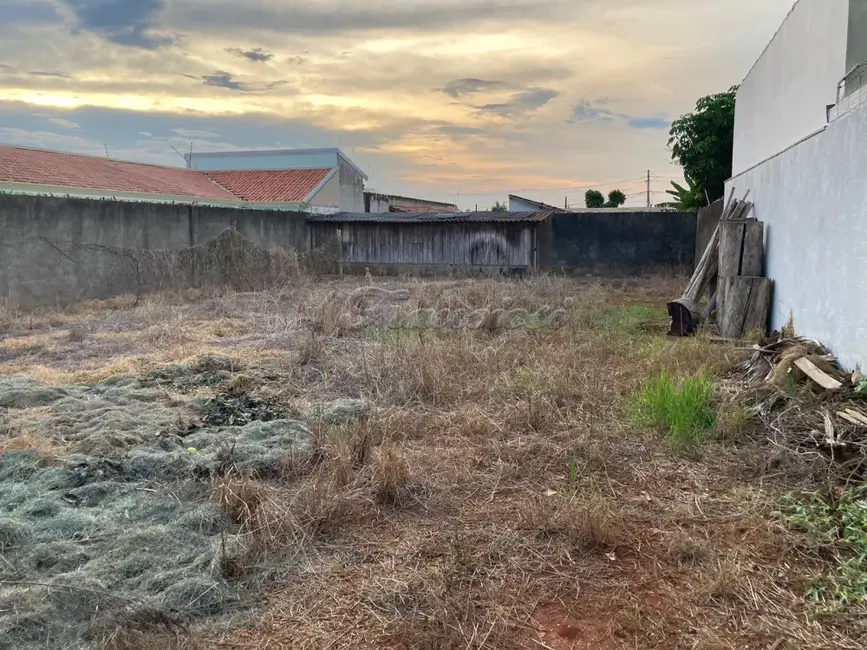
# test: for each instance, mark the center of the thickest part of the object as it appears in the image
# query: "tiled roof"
(431, 217)
(38, 167)
(287, 185)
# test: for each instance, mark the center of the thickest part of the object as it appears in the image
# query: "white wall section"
(813, 199)
(784, 98)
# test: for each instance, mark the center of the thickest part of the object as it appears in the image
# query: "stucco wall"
(56, 250)
(813, 199)
(351, 188)
(784, 98)
(329, 195)
(517, 205)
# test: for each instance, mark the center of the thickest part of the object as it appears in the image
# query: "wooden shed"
(486, 241)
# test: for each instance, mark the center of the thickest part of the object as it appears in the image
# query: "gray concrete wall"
(813, 200)
(617, 243)
(58, 250)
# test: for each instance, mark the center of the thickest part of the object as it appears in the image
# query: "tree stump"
(741, 247)
(685, 317)
(744, 305)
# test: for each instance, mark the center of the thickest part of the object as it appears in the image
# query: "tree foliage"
(616, 198)
(594, 199)
(499, 207)
(701, 142)
(687, 199)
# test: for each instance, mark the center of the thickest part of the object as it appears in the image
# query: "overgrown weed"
(683, 410)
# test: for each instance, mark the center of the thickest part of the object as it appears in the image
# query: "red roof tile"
(22, 165)
(285, 185)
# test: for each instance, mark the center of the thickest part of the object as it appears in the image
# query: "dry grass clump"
(391, 476)
(586, 520)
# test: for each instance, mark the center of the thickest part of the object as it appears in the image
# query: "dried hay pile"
(125, 527)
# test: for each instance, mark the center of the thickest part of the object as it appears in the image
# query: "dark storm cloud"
(221, 79)
(588, 111)
(522, 103)
(463, 87)
(256, 54)
(125, 22)
(49, 73)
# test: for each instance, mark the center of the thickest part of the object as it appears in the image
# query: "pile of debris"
(808, 402)
(730, 272)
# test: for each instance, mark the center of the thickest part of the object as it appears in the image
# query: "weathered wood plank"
(745, 302)
(741, 247)
(822, 378)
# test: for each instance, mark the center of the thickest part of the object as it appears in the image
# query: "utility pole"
(566, 203)
(648, 189)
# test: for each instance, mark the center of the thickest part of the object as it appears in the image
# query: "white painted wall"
(328, 195)
(813, 199)
(784, 98)
(517, 205)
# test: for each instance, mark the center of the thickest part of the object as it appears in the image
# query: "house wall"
(617, 243)
(517, 205)
(813, 200)
(499, 245)
(58, 250)
(856, 46)
(329, 195)
(785, 96)
(351, 188)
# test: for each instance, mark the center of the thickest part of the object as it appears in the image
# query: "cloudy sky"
(462, 100)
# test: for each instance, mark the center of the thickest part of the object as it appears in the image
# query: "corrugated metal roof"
(432, 217)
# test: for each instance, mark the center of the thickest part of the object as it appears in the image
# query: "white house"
(800, 147)
(340, 189)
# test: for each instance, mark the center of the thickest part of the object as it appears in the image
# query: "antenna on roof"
(107, 155)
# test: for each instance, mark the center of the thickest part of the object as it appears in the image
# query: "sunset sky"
(458, 100)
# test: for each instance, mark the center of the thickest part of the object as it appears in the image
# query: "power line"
(555, 189)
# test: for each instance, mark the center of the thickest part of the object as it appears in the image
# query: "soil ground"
(497, 493)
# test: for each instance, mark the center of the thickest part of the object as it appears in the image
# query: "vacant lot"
(368, 464)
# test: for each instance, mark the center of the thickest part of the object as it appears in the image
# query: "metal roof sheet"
(432, 217)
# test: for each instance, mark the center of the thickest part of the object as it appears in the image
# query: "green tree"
(688, 199)
(594, 199)
(615, 199)
(701, 143)
(499, 207)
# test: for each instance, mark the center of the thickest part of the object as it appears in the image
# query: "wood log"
(745, 303)
(741, 247)
(685, 317)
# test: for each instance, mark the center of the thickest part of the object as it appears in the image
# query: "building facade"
(799, 148)
(342, 190)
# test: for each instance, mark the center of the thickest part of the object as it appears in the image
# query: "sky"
(457, 100)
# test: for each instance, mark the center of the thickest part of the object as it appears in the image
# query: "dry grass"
(496, 495)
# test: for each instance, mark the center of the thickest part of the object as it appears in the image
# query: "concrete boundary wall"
(57, 250)
(617, 243)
